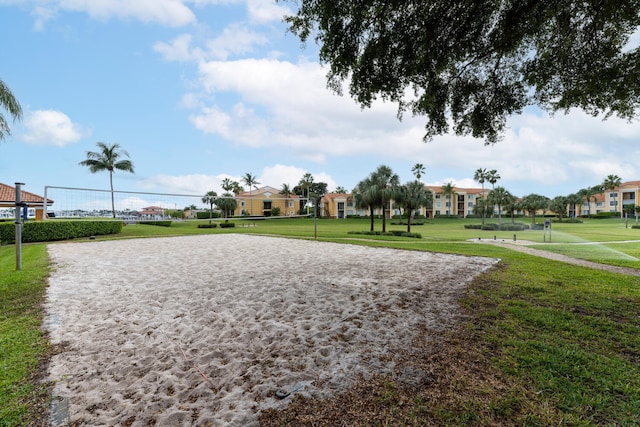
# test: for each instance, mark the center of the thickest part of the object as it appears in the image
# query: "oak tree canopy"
(468, 65)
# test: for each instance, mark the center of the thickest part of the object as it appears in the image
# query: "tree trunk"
(410, 212)
(371, 215)
(384, 216)
(113, 203)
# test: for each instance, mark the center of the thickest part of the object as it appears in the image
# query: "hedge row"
(496, 227)
(46, 231)
(388, 233)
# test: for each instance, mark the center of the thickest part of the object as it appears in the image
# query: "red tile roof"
(8, 196)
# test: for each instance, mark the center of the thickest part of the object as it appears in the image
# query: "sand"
(204, 330)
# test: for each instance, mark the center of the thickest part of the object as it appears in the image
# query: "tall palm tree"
(305, 183)
(448, 191)
(252, 181)
(227, 184)
(481, 176)
(286, 191)
(210, 199)
(493, 177)
(8, 102)
(610, 183)
(107, 159)
(418, 170)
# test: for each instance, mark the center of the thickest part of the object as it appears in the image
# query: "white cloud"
(172, 13)
(263, 12)
(179, 49)
(49, 127)
(195, 184)
(236, 39)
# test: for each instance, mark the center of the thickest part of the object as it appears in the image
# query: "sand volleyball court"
(205, 330)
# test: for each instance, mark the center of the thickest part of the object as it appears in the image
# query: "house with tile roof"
(260, 202)
(8, 202)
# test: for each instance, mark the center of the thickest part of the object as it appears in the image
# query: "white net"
(69, 202)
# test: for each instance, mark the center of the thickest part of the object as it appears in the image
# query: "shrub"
(502, 227)
(275, 211)
(603, 215)
(227, 225)
(212, 225)
(205, 215)
(388, 233)
(46, 231)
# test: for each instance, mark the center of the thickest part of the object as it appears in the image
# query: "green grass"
(543, 342)
(22, 342)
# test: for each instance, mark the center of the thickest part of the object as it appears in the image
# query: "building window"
(613, 203)
(438, 205)
(599, 204)
(470, 204)
(613, 194)
(438, 196)
(242, 203)
(291, 204)
(470, 197)
(448, 204)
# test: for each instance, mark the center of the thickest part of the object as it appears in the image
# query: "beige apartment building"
(461, 203)
(261, 201)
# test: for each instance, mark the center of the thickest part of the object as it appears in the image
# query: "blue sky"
(201, 90)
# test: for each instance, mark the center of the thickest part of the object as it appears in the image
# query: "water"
(597, 250)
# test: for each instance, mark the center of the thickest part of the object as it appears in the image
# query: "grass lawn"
(541, 342)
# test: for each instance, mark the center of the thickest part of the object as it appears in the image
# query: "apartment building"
(261, 201)
(461, 203)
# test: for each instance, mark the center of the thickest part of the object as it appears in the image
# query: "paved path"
(522, 247)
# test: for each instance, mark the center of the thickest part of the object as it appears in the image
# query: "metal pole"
(315, 223)
(44, 204)
(18, 223)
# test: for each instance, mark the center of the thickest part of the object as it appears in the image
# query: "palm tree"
(107, 159)
(559, 205)
(226, 203)
(448, 191)
(411, 196)
(286, 191)
(227, 184)
(573, 200)
(252, 181)
(499, 196)
(511, 206)
(340, 190)
(305, 183)
(481, 176)
(384, 185)
(493, 177)
(210, 199)
(9, 103)
(533, 203)
(364, 195)
(610, 183)
(418, 170)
